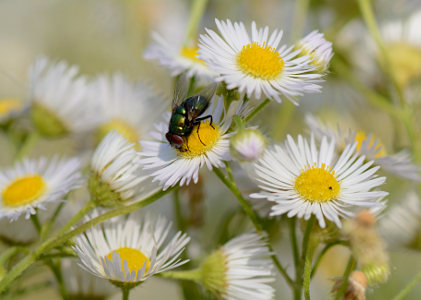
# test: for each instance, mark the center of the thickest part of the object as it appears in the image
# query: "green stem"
(244, 203)
(56, 269)
(8, 253)
(29, 289)
(293, 238)
(256, 110)
(125, 293)
(192, 275)
(254, 219)
(45, 229)
(323, 252)
(88, 206)
(405, 291)
(27, 145)
(375, 99)
(196, 14)
(296, 255)
(307, 270)
(62, 237)
(58, 255)
(177, 210)
(229, 172)
(300, 13)
(304, 262)
(342, 289)
(370, 20)
(36, 223)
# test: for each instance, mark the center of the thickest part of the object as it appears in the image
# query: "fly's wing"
(208, 91)
(200, 102)
(180, 91)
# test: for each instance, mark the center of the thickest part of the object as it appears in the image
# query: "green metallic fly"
(186, 113)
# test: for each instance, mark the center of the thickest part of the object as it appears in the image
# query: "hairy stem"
(254, 219)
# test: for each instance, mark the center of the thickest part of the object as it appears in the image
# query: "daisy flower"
(402, 39)
(316, 47)
(256, 64)
(114, 177)
(400, 225)
(303, 180)
(240, 269)
(83, 285)
(59, 99)
(130, 250)
(207, 145)
(171, 54)
(10, 108)
(403, 43)
(125, 107)
(32, 184)
(399, 164)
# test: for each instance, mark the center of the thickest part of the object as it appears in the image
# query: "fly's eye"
(176, 139)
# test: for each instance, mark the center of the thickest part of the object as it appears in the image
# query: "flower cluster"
(111, 146)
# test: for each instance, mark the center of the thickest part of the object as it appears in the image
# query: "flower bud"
(357, 285)
(114, 178)
(46, 122)
(247, 144)
(240, 269)
(317, 49)
(367, 247)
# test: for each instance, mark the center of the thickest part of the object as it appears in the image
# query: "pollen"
(23, 190)
(317, 184)
(134, 257)
(191, 53)
(8, 106)
(361, 137)
(122, 127)
(200, 142)
(260, 61)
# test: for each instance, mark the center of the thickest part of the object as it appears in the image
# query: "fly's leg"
(199, 135)
(198, 122)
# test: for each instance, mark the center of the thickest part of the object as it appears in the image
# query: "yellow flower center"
(194, 146)
(134, 257)
(315, 61)
(316, 184)
(122, 127)
(260, 61)
(9, 105)
(360, 137)
(405, 60)
(23, 190)
(191, 53)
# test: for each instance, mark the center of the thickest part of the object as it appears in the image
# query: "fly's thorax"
(196, 105)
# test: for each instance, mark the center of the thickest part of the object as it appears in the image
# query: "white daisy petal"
(33, 183)
(254, 65)
(124, 249)
(169, 166)
(56, 88)
(321, 185)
